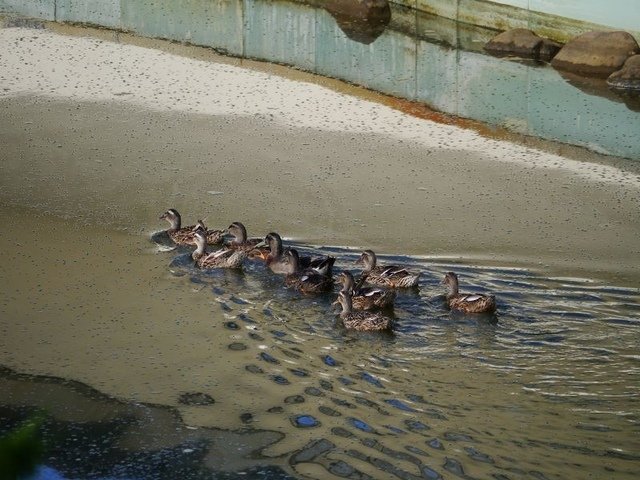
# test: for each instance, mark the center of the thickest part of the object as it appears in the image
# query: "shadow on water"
(115, 439)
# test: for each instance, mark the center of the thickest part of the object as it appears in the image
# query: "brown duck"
(365, 298)
(308, 280)
(184, 235)
(361, 320)
(467, 302)
(224, 258)
(240, 241)
(275, 258)
(390, 276)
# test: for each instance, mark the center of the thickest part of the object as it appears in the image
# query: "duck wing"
(474, 303)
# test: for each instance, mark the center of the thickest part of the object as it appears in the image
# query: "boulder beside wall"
(521, 42)
(628, 78)
(597, 54)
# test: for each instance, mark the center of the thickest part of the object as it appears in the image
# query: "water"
(146, 368)
(546, 388)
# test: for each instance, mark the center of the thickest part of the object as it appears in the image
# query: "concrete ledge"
(509, 14)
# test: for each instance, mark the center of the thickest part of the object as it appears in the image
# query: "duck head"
(173, 217)
(451, 281)
(275, 243)
(368, 260)
(200, 237)
(293, 259)
(347, 281)
(238, 231)
(344, 300)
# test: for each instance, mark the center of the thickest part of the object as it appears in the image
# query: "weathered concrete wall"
(558, 19)
(43, 9)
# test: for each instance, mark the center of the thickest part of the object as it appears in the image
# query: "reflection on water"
(259, 380)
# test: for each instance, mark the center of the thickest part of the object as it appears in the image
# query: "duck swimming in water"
(275, 258)
(467, 302)
(224, 258)
(365, 298)
(240, 241)
(308, 280)
(361, 320)
(184, 235)
(390, 276)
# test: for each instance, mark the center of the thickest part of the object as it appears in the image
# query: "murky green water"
(546, 389)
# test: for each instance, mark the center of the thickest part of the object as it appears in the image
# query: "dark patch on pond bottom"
(81, 443)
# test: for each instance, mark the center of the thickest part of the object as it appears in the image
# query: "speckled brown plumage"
(362, 321)
(240, 241)
(390, 276)
(307, 280)
(275, 259)
(224, 258)
(184, 235)
(364, 298)
(469, 302)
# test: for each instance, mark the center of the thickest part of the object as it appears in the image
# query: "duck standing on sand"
(361, 320)
(390, 276)
(308, 280)
(184, 235)
(467, 302)
(224, 258)
(365, 298)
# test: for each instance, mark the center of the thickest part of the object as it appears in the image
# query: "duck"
(308, 280)
(365, 298)
(467, 302)
(390, 276)
(240, 241)
(223, 258)
(362, 321)
(276, 261)
(184, 235)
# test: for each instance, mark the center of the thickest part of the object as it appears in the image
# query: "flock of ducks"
(363, 302)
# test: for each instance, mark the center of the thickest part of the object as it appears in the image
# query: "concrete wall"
(559, 19)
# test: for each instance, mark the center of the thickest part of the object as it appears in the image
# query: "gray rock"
(597, 54)
(627, 78)
(361, 20)
(521, 42)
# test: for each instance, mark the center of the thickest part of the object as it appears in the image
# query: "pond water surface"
(146, 368)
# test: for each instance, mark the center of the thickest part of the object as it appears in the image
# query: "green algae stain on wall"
(98, 12)
(42, 9)
(216, 23)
